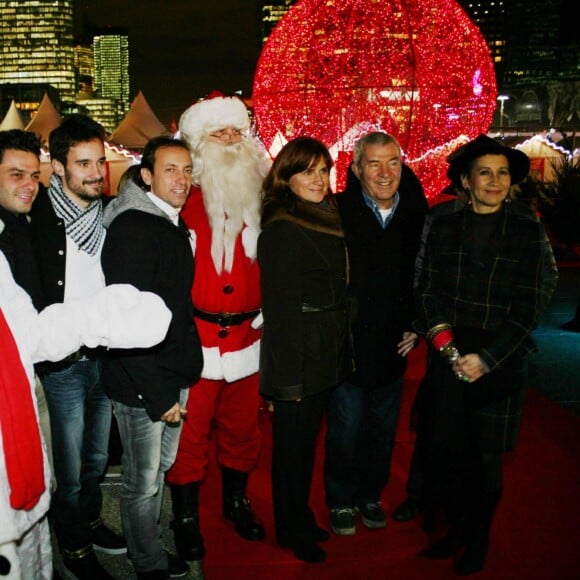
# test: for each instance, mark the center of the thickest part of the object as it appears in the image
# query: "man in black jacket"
(382, 217)
(148, 246)
(68, 235)
(19, 184)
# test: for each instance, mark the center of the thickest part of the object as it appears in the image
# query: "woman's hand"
(407, 344)
(470, 366)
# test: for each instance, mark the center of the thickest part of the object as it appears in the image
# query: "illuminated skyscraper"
(272, 11)
(111, 57)
(37, 44)
(84, 69)
(528, 39)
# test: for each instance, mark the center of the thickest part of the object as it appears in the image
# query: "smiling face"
(171, 177)
(488, 182)
(380, 172)
(312, 184)
(19, 177)
(83, 177)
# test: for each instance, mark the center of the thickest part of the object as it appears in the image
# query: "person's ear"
(146, 176)
(465, 183)
(57, 167)
(355, 170)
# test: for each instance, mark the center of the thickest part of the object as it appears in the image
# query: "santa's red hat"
(214, 112)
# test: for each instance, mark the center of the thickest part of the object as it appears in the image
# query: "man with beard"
(223, 215)
(67, 225)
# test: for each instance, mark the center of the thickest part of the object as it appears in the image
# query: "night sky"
(180, 50)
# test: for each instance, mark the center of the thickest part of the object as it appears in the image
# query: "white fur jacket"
(118, 316)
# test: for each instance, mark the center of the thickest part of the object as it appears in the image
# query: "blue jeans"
(80, 423)
(361, 428)
(149, 450)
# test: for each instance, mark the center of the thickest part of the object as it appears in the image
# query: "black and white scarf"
(84, 226)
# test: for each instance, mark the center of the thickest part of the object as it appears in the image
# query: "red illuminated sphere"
(335, 69)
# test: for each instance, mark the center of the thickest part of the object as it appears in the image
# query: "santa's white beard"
(230, 177)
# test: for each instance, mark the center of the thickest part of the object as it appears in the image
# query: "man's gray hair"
(374, 138)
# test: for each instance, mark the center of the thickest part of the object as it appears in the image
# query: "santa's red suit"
(226, 399)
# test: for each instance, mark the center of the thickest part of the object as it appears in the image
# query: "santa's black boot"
(185, 524)
(237, 507)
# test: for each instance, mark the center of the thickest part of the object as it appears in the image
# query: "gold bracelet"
(431, 333)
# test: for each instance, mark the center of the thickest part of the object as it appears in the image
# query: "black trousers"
(295, 430)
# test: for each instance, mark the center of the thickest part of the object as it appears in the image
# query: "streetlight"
(502, 99)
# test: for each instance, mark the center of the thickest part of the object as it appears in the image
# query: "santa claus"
(223, 215)
(119, 316)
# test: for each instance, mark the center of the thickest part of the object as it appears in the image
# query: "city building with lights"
(111, 66)
(272, 11)
(36, 54)
(84, 69)
(37, 44)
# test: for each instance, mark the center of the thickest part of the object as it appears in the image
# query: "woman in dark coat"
(483, 286)
(305, 346)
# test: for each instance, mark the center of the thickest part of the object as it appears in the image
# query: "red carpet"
(535, 533)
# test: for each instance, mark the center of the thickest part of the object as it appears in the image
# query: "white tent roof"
(46, 119)
(139, 126)
(12, 119)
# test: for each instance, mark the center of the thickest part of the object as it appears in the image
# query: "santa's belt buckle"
(230, 319)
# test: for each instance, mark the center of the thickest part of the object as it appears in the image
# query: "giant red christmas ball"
(335, 69)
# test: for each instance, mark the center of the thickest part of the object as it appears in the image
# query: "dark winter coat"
(494, 302)
(303, 263)
(145, 249)
(382, 263)
(16, 245)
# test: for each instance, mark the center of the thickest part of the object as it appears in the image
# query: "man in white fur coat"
(118, 316)
(223, 215)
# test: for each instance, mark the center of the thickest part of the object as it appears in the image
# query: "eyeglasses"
(226, 134)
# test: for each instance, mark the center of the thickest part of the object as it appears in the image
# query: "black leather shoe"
(473, 559)
(306, 552)
(177, 567)
(153, 575)
(406, 511)
(240, 513)
(321, 535)
(108, 542)
(444, 548)
(86, 568)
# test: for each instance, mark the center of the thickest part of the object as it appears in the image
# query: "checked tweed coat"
(494, 301)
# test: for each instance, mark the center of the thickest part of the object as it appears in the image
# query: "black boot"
(446, 547)
(237, 506)
(457, 535)
(185, 524)
(473, 559)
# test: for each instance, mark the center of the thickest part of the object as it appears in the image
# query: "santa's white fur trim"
(193, 240)
(250, 242)
(231, 366)
(211, 115)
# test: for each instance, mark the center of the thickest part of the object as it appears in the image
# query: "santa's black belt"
(225, 318)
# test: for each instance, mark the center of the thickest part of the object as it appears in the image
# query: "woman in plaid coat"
(486, 277)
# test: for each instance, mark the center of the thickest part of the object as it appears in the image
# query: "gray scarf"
(84, 226)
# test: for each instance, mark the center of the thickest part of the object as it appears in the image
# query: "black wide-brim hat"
(460, 159)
